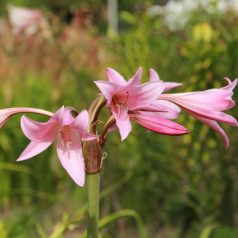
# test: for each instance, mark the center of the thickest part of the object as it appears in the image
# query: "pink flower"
(24, 19)
(68, 131)
(133, 100)
(208, 106)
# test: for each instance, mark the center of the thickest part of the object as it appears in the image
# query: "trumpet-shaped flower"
(62, 126)
(208, 106)
(133, 100)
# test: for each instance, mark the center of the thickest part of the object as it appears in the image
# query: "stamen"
(122, 110)
(127, 95)
(66, 137)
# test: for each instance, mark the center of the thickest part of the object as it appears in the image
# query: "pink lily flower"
(208, 106)
(133, 100)
(68, 131)
(24, 19)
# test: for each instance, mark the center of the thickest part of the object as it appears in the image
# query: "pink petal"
(231, 85)
(124, 127)
(213, 115)
(58, 115)
(71, 158)
(168, 85)
(122, 121)
(108, 89)
(144, 95)
(67, 118)
(34, 148)
(154, 76)
(5, 114)
(171, 85)
(81, 124)
(63, 116)
(136, 79)
(115, 77)
(214, 125)
(163, 109)
(159, 125)
(34, 130)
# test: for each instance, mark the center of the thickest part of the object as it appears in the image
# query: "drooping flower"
(133, 100)
(63, 127)
(208, 106)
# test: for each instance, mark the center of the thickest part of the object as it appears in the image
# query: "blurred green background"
(177, 187)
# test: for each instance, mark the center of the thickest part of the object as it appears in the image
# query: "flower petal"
(164, 109)
(215, 126)
(158, 124)
(218, 99)
(63, 116)
(81, 124)
(115, 77)
(108, 89)
(5, 114)
(34, 130)
(136, 79)
(124, 127)
(71, 158)
(144, 95)
(168, 85)
(34, 148)
(197, 110)
(154, 76)
(122, 121)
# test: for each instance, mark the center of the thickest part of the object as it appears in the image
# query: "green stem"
(93, 184)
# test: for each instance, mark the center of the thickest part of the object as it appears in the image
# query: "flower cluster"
(148, 104)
